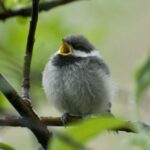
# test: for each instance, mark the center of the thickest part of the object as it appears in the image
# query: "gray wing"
(98, 63)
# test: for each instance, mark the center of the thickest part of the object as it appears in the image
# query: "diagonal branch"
(26, 12)
(17, 102)
(41, 132)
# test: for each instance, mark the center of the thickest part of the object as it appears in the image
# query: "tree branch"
(48, 121)
(29, 49)
(57, 121)
(25, 110)
(26, 12)
(41, 131)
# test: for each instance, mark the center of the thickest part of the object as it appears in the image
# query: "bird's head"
(74, 48)
(75, 45)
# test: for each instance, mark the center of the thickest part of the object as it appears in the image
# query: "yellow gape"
(65, 49)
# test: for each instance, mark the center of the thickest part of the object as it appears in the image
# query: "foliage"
(4, 146)
(143, 78)
(86, 131)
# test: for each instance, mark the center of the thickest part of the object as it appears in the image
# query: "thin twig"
(69, 141)
(48, 121)
(26, 11)
(12, 121)
(128, 126)
(57, 121)
(29, 49)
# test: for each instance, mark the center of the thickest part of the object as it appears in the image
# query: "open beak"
(65, 49)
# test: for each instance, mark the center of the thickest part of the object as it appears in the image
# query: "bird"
(77, 80)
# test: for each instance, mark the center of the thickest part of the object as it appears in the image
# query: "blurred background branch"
(26, 12)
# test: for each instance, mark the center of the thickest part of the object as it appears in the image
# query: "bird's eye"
(78, 47)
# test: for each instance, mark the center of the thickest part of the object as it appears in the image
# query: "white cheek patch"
(78, 53)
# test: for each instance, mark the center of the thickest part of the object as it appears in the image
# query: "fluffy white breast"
(76, 89)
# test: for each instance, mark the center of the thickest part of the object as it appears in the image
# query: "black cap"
(79, 42)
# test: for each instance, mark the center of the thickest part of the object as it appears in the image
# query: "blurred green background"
(119, 29)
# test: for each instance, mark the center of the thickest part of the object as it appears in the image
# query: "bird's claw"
(66, 118)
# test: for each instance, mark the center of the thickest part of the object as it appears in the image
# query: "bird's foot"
(64, 118)
(67, 118)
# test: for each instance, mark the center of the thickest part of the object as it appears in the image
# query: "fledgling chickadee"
(77, 80)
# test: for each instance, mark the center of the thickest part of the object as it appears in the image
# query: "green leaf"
(3, 103)
(10, 3)
(4, 146)
(86, 130)
(142, 78)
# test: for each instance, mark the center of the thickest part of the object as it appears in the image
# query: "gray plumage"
(82, 85)
(79, 43)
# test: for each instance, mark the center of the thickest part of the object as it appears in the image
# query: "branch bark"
(57, 121)
(29, 50)
(26, 12)
(41, 132)
(48, 121)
